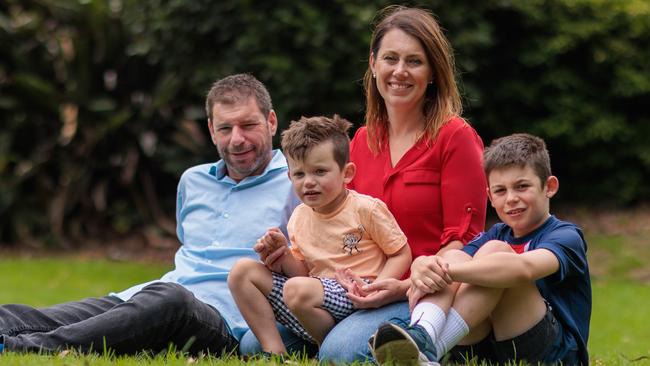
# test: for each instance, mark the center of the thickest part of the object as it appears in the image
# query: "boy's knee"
(298, 292)
(241, 270)
(493, 246)
(455, 255)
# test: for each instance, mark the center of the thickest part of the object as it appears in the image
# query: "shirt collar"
(218, 169)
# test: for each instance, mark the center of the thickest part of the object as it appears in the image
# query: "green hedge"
(102, 101)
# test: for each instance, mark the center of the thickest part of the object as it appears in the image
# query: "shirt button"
(226, 215)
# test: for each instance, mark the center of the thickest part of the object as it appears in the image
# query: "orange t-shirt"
(359, 235)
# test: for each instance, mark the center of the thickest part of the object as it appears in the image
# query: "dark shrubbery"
(101, 102)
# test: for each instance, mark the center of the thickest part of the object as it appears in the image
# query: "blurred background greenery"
(101, 102)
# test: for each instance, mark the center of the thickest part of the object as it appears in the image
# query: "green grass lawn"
(620, 333)
(47, 281)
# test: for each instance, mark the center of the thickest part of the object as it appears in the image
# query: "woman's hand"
(428, 275)
(374, 295)
(380, 293)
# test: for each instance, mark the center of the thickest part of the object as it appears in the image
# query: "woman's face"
(402, 70)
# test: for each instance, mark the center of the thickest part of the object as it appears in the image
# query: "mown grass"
(620, 334)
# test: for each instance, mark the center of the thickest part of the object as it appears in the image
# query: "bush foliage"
(102, 101)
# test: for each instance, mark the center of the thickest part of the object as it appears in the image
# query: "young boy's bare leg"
(518, 310)
(250, 283)
(304, 296)
(508, 312)
(433, 312)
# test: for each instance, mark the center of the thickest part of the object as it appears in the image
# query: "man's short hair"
(521, 150)
(237, 89)
(305, 133)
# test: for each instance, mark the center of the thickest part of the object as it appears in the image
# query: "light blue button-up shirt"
(217, 222)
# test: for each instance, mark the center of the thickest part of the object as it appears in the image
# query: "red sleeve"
(359, 138)
(463, 186)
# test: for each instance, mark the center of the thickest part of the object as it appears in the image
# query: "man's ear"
(552, 186)
(349, 170)
(212, 132)
(273, 122)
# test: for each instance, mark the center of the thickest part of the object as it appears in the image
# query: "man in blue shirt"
(222, 209)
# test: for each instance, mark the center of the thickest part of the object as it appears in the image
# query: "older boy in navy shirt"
(520, 291)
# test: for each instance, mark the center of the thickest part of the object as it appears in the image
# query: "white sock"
(430, 317)
(454, 330)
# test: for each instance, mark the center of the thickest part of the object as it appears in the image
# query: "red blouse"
(436, 193)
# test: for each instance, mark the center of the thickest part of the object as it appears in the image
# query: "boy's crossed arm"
(497, 270)
(505, 269)
(274, 252)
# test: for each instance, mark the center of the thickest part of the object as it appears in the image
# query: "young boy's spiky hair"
(305, 133)
(519, 149)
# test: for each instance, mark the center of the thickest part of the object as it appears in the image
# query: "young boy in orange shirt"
(334, 229)
(520, 291)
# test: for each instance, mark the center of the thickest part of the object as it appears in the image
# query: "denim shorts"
(539, 344)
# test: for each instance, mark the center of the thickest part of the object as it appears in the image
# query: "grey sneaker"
(392, 344)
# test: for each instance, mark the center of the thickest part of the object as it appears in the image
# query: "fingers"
(275, 255)
(429, 274)
(362, 302)
(372, 300)
(379, 285)
(429, 282)
(343, 279)
(268, 245)
(353, 276)
(444, 267)
(357, 290)
(414, 295)
(276, 238)
(259, 246)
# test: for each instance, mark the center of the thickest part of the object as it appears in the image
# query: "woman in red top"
(416, 154)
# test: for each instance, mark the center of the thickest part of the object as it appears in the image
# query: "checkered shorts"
(335, 302)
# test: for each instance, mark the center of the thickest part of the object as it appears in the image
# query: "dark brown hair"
(305, 133)
(441, 100)
(521, 150)
(236, 89)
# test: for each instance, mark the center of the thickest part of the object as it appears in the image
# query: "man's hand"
(429, 274)
(272, 247)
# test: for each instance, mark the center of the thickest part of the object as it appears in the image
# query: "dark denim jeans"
(159, 315)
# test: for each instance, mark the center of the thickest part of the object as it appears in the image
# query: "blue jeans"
(249, 345)
(157, 316)
(348, 340)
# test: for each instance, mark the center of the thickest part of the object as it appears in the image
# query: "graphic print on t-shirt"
(351, 240)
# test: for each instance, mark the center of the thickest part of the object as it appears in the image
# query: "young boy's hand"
(429, 274)
(414, 295)
(272, 247)
(350, 281)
